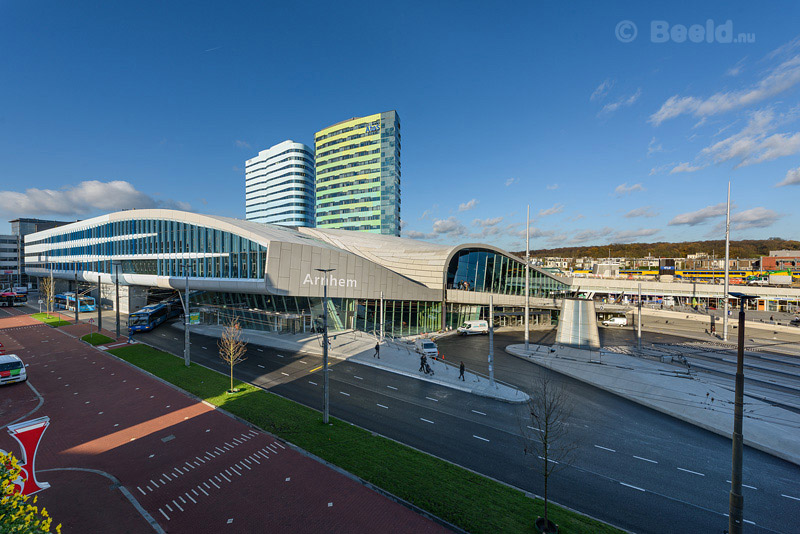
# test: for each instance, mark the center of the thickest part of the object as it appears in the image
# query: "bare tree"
(231, 347)
(545, 432)
(46, 292)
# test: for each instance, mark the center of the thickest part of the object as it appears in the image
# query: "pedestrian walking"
(422, 362)
(377, 350)
(461, 372)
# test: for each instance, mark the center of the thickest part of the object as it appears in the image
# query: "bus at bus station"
(66, 301)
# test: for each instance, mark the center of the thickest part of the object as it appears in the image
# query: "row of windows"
(336, 150)
(270, 161)
(347, 156)
(309, 195)
(488, 271)
(334, 142)
(259, 208)
(347, 201)
(156, 236)
(348, 166)
(252, 176)
(346, 175)
(359, 126)
(339, 193)
(343, 220)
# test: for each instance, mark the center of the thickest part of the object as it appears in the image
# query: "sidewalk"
(359, 347)
(671, 390)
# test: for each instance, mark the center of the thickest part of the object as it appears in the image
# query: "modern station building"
(279, 185)
(269, 276)
(358, 174)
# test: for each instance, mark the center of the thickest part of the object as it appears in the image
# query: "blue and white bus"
(66, 301)
(151, 316)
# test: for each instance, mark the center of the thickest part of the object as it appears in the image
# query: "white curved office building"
(279, 185)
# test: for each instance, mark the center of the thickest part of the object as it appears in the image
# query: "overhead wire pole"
(491, 340)
(727, 267)
(527, 276)
(325, 393)
(187, 351)
(98, 305)
(639, 319)
(77, 296)
(115, 264)
(382, 316)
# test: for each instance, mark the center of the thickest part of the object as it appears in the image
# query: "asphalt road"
(635, 467)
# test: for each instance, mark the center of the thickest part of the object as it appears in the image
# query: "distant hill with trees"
(753, 248)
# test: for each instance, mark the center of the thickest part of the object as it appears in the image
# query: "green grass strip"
(96, 339)
(50, 320)
(470, 501)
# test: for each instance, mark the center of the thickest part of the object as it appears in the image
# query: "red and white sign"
(28, 434)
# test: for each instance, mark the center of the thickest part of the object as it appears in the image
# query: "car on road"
(426, 347)
(473, 327)
(795, 321)
(12, 369)
(616, 321)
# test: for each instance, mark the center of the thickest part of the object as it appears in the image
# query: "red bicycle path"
(190, 467)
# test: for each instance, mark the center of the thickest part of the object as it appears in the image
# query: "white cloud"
(449, 226)
(654, 148)
(511, 181)
(552, 187)
(486, 223)
(660, 168)
(753, 145)
(693, 218)
(86, 197)
(625, 189)
(415, 234)
(792, 178)
(736, 69)
(686, 167)
(644, 211)
(611, 107)
(628, 236)
(241, 144)
(754, 218)
(602, 90)
(584, 236)
(466, 206)
(557, 208)
(778, 80)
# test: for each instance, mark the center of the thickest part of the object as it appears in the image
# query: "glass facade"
(152, 246)
(304, 314)
(490, 272)
(358, 174)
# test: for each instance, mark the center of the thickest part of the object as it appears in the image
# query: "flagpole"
(727, 265)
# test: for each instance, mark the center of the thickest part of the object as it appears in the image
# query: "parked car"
(616, 321)
(426, 347)
(473, 327)
(12, 369)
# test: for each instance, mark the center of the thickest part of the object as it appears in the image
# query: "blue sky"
(108, 105)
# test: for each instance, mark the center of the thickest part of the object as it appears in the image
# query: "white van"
(12, 369)
(426, 347)
(473, 327)
(616, 321)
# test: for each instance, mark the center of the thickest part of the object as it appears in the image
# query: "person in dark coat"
(422, 361)
(461, 372)
(377, 350)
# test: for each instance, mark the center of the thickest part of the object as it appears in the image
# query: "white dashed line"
(205, 348)
(790, 497)
(480, 438)
(162, 513)
(536, 429)
(605, 448)
(261, 366)
(143, 493)
(645, 459)
(392, 387)
(692, 472)
(345, 394)
(629, 486)
(280, 355)
(357, 377)
(477, 412)
(304, 363)
(426, 420)
(432, 399)
(178, 505)
(190, 498)
(284, 374)
(312, 383)
(260, 350)
(153, 483)
(744, 485)
(382, 406)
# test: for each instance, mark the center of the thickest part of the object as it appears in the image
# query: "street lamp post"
(187, 356)
(325, 396)
(491, 340)
(527, 278)
(115, 265)
(736, 500)
(77, 299)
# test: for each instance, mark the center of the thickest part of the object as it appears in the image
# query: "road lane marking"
(261, 366)
(205, 348)
(536, 429)
(692, 472)
(392, 387)
(284, 374)
(382, 406)
(315, 369)
(477, 412)
(280, 355)
(744, 485)
(204, 491)
(304, 363)
(605, 448)
(176, 504)
(629, 486)
(260, 350)
(432, 399)
(153, 483)
(190, 498)
(748, 522)
(480, 438)
(426, 420)
(790, 497)
(313, 383)
(143, 493)
(645, 459)
(345, 394)
(357, 377)
(162, 513)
